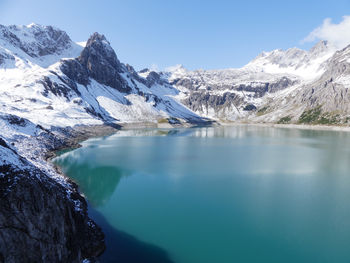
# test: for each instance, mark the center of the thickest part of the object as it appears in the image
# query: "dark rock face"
(75, 71)
(201, 101)
(99, 62)
(54, 88)
(98, 51)
(281, 84)
(153, 77)
(249, 107)
(144, 70)
(3, 143)
(39, 222)
(15, 120)
(259, 89)
(4, 56)
(102, 63)
(204, 92)
(135, 76)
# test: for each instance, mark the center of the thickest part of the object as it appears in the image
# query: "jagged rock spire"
(98, 61)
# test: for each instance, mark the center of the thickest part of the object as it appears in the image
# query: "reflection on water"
(219, 194)
(98, 183)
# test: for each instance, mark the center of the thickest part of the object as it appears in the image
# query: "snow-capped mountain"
(323, 100)
(28, 46)
(247, 92)
(294, 61)
(48, 79)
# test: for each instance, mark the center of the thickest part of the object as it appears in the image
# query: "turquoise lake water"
(218, 194)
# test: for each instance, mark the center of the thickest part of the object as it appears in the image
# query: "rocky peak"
(144, 70)
(321, 48)
(99, 62)
(338, 65)
(99, 50)
(97, 37)
(130, 69)
(153, 77)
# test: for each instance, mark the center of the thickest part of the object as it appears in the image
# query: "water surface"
(218, 194)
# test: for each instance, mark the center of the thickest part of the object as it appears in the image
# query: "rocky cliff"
(43, 218)
(40, 220)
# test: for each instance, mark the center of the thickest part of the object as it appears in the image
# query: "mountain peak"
(98, 61)
(99, 49)
(320, 48)
(97, 37)
(31, 25)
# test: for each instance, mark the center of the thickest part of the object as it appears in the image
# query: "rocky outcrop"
(4, 56)
(41, 219)
(99, 62)
(75, 71)
(222, 99)
(227, 94)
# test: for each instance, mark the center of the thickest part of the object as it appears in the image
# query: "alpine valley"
(55, 92)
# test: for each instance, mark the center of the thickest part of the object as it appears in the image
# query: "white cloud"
(336, 34)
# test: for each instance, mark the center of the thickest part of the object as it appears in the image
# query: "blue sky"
(197, 34)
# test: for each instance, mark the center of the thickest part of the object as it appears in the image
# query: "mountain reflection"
(97, 183)
(99, 166)
(234, 131)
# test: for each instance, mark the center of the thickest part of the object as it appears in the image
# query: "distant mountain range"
(276, 87)
(48, 79)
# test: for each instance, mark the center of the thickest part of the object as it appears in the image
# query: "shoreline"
(80, 134)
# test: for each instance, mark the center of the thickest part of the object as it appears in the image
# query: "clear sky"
(195, 33)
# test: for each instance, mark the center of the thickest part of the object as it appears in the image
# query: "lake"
(218, 194)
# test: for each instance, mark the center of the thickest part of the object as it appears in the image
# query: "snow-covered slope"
(304, 64)
(236, 94)
(323, 100)
(48, 79)
(35, 45)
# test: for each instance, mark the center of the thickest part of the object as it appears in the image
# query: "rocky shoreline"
(41, 210)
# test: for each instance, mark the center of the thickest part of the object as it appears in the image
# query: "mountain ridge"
(226, 94)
